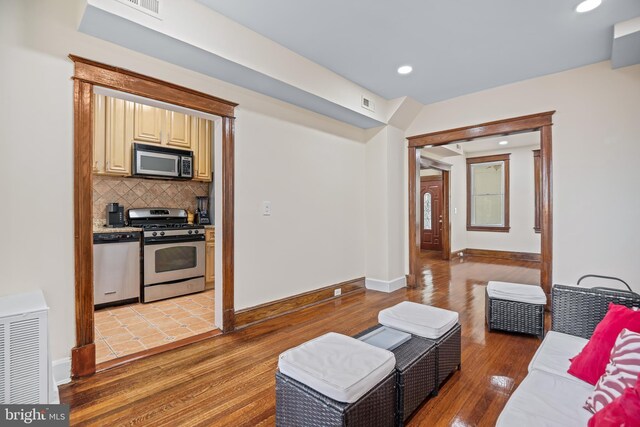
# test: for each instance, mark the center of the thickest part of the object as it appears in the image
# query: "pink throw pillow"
(621, 372)
(623, 411)
(590, 364)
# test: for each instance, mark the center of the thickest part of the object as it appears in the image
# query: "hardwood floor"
(229, 380)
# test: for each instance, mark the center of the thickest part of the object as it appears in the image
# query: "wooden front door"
(431, 218)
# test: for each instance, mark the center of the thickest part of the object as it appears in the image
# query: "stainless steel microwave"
(162, 162)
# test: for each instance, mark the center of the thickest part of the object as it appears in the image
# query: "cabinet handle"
(110, 293)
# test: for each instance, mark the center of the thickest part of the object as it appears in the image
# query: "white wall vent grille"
(368, 104)
(3, 380)
(150, 7)
(24, 373)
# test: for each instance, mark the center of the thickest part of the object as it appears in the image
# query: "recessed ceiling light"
(503, 142)
(588, 5)
(405, 69)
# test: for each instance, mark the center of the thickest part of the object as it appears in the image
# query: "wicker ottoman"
(415, 373)
(335, 380)
(433, 324)
(514, 307)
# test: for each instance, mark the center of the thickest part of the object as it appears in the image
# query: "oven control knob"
(195, 231)
(162, 233)
(190, 231)
(154, 234)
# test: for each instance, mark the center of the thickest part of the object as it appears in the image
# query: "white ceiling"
(520, 140)
(478, 145)
(455, 47)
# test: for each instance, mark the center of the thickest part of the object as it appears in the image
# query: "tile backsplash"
(144, 193)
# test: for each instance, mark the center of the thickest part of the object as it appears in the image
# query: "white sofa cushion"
(338, 366)
(554, 353)
(544, 399)
(418, 319)
(516, 292)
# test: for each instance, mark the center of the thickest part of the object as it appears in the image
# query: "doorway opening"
(482, 207)
(89, 75)
(153, 235)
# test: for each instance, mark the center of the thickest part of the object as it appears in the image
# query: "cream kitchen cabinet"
(99, 133)
(158, 126)
(148, 124)
(178, 129)
(119, 134)
(201, 129)
(113, 133)
(119, 123)
(209, 258)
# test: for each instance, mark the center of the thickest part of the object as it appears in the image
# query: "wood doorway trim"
(446, 227)
(88, 74)
(535, 122)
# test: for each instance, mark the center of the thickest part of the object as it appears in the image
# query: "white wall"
(458, 202)
(315, 235)
(377, 202)
(596, 150)
(309, 166)
(521, 237)
(385, 225)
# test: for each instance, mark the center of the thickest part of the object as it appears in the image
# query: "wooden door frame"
(446, 227)
(535, 122)
(88, 74)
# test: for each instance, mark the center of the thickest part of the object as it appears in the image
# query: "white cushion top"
(544, 399)
(554, 353)
(418, 319)
(530, 294)
(338, 366)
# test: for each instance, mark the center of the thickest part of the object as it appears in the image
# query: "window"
(537, 171)
(426, 221)
(488, 193)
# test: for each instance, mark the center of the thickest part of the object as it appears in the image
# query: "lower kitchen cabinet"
(209, 256)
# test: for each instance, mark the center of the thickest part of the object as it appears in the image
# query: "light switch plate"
(266, 208)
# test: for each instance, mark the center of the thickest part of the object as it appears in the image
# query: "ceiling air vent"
(150, 7)
(368, 104)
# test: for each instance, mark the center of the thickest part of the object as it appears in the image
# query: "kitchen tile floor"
(128, 329)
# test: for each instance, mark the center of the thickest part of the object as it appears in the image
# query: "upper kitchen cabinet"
(178, 129)
(119, 136)
(202, 130)
(113, 133)
(99, 133)
(118, 123)
(158, 126)
(148, 124)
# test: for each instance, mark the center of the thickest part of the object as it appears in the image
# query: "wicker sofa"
(549, 396)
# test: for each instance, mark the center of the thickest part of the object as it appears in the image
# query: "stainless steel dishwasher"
(116, 267)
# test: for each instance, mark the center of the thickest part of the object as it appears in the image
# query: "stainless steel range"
(173, 253)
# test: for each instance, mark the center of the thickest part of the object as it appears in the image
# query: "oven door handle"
(173, 239)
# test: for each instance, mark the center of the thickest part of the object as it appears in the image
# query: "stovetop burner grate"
(171, 226)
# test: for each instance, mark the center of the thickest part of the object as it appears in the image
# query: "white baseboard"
(384, 285)
(61, 369)
(60, 374)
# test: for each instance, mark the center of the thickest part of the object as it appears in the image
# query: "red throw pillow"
(623, 411)
(590, 363)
